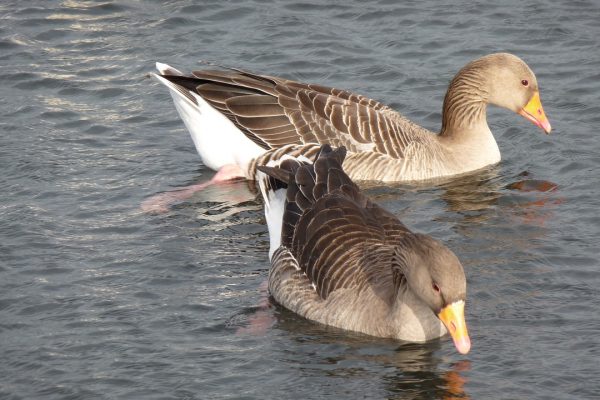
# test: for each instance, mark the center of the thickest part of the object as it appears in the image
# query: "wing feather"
(338, 237)
(275, 112)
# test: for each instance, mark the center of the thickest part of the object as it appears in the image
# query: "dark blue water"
(98, 300)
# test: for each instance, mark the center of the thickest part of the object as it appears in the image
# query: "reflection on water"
(412, 370)
(479, 197)
(538, 200)
(473, 195)
(456, 381)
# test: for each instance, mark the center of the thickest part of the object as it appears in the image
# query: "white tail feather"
(166, 69)
(274, 202)
(274, 208)
(218, 141)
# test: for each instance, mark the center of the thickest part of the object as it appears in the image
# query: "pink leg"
(161, 203)
(261, 320)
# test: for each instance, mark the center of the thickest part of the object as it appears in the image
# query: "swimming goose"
(238, 120)
(339, 259)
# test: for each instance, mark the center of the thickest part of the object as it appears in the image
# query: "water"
(98, 300)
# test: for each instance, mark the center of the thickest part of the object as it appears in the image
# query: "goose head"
(501, 79)
(514, 86)
(435, 275)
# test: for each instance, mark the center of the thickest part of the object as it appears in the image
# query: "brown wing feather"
(338, 237)
(337, 243)
(275, 112)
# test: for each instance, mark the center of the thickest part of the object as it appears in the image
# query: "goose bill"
(453, 317)
(534, 112)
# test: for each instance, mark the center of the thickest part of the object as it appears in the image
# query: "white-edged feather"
(301, 158)
(218, 141)
(166, 69)
(274, 208)
(274, 202)
(274, 214)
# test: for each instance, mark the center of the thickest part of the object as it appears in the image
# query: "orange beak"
(534, 112)
(453, 317)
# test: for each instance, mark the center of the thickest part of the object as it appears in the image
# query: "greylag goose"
(339, 259)
(239, 120)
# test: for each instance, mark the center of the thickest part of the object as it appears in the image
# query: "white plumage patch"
(166, 69)
(218, 141)
(274, 215)
(301, 158)
(274, 202)
(274, 208)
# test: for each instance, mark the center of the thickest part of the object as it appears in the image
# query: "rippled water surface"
(99, 300)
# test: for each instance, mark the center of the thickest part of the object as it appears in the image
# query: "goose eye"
(525, 82)
(436, 288)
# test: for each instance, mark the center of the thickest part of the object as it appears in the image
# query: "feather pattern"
(342, 260)
(275, 113)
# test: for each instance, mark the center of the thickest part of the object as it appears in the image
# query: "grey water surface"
(99, 300)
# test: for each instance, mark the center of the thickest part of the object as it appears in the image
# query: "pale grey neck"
(413, 319)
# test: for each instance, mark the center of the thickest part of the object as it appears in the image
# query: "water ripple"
(100, 300)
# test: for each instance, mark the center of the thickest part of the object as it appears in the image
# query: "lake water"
(101, 301)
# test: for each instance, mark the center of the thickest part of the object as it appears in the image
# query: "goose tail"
(290, 186)
(218, 140)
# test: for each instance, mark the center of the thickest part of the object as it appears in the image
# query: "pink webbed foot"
(258, 324)
(162, 202)
(263, 318)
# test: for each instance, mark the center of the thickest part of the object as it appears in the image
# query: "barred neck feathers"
(466, 100)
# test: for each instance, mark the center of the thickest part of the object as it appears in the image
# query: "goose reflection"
(478, 196)
(411, 370)
(474, 195)
(472, 199)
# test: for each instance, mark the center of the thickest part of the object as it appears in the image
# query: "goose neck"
(465, 104)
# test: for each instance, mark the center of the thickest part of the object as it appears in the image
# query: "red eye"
(436, 287)
(525, 82)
